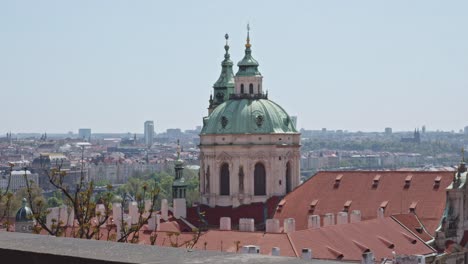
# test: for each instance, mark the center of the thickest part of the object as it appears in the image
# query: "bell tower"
(248, 80)
(224, 86)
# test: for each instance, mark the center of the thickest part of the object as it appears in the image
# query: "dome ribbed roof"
(248, 116)
(24, 214)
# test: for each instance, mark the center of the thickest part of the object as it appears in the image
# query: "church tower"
(224, 86)
(249, 147)
(179, 187)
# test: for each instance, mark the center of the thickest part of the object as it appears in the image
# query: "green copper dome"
(248, 116)
(24, 214)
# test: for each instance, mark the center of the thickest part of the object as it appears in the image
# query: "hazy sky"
(111, 65)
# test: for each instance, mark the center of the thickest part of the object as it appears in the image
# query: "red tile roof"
(358, 186)
(412, 223)
(348, 241)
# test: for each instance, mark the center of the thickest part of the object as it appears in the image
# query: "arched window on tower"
(242, 88)
(224, 179)
(258, 88)
(251, 89)
(259, 179)
(288, 177)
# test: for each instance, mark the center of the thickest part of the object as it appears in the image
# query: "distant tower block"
(149, 133)
(84, 134)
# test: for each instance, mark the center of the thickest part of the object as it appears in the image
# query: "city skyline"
(110, 66)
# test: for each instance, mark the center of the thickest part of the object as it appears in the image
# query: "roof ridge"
(292, 245)
(412, 233)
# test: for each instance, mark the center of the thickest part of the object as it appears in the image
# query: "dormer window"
(408, 181)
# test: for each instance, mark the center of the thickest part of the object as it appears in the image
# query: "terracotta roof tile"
(349, 241)
(358, 187)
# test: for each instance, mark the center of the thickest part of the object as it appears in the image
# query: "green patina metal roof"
(224, 86)
(24, 214)
(248, 116)
(248, 66)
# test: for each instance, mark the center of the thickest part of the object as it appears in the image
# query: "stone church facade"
(249, 146)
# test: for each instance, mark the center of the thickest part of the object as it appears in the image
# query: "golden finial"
(248, 36)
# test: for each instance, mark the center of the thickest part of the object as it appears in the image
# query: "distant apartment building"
(43, 164)
(388, 131)
(149, 133)
(466, 130)
(18, 180)
(84, 133)
(174, 132)
(116, 172)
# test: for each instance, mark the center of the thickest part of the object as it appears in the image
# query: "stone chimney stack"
(225, 223)
(313, 221)
(246, 225)
(289, 225)
(275, 251)
(342, 218)
(328, 219)
(306, 253)
(355, 216)
(180, 208)
(272, 226)
(164, 209)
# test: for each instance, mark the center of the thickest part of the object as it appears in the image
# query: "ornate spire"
(248, 66)
(226, 48)
(462, 166)
(224, 86)
(178, 149)
(248, 45)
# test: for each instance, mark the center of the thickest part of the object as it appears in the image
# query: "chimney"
(328, 219)
(164, 209)
(225, 223)
(272, 226)
(152, 222)
(368, 258)
(71, 217)
(117, 212)
(313, 221)
(251, 249)
(289, 225)
(380, 213)
(342, 218)
(101, 210)
(275, 251)
(180, 208)
(355, 216)
(306, 253)
(246, 225)
(133, 212)
(147, 207)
